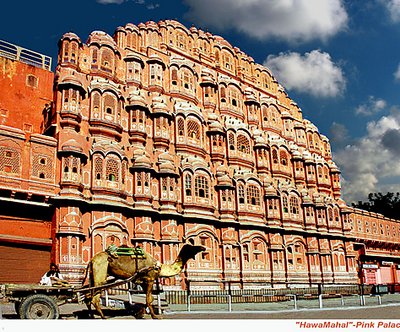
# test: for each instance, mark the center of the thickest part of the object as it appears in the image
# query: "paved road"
(369, 313)
(390, 311)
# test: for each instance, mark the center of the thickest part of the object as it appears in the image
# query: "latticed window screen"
(181, 127)
(174, 76)
(231, 141)
(234, 96)
(188, 184)
(110, 104)
(75, 165)
(94, 55)
(223, 94)
(66, 50)
(138, 116)
(147, 179)
(326, 173)
(42, 166)
(106, 58)
(10, 160)
(275, 159)
(241, 194)
(336, 214)
(330, 214)
(193, 130)
(95, 103)
(164, 184)
(310, 140)
(274, 115)
(294, 205)
(253, 195)
(201, 186)
(123, 171)
(98, 168)
(319, 171)
(112, 170)
(155, 73)
(285, 204)
(67, 164)
(243, 144)
(283, 158)
(187, 80)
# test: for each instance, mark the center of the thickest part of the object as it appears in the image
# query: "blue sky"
(338, 60)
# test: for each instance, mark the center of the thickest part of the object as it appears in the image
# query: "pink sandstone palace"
(162, 135)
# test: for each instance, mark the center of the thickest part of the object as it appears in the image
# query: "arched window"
(231, 141)
(95, 56)
(243, 144)
(174, 76)
(294, 206)
(330, 215)
(98, 168)
(133, 71)
(336, 215)
(96, 100)
(187, 80)
(283, 158)
(188, 185)
(112, 170)
(107, 63)
(193, 130)
(110, 106)
(235, 97)
(275, 159)
(310, 140)
(241, 194)
(181, 127)
(201, 186)
(264, 112)
(253, 195)
(223, 94)
(285, 204)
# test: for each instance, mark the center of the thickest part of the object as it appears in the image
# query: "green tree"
(388, 204)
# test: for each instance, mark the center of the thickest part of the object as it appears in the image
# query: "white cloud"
(393, 7)
(397, 73)
(313, 73)
(291, 20)
(372, 163)
(372, 106)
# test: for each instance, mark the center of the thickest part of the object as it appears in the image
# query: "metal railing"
(14, 52)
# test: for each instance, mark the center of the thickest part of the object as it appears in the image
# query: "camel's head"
(189, 251)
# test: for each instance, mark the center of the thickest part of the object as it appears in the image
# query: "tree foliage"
(388, 204)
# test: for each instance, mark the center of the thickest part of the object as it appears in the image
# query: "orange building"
(166, 134)
(27, 165)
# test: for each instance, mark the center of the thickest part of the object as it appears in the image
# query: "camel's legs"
(97, 306)
(148, 287)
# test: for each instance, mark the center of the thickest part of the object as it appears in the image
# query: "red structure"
(166, 134)
(28, 164)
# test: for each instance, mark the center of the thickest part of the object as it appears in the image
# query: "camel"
(147, 269)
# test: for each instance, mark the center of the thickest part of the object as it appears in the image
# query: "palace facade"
(161, 135)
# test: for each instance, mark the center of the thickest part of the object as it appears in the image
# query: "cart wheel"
(38, 306)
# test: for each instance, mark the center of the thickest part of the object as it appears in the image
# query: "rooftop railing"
(24, 55)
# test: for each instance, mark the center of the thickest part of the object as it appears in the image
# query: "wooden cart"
(34, 301)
